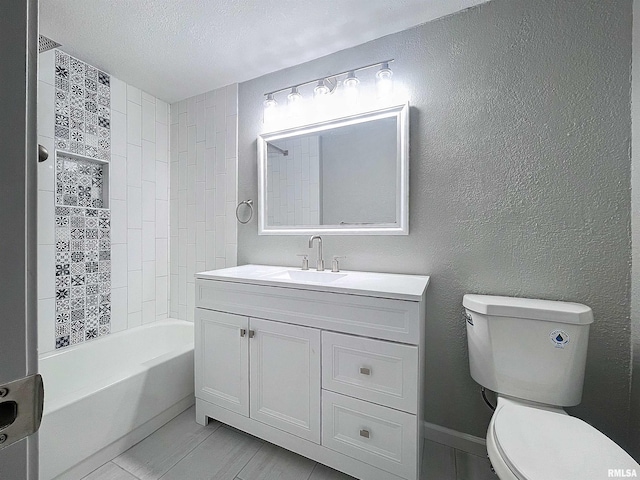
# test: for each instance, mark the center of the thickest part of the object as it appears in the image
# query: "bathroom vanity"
(327, 365)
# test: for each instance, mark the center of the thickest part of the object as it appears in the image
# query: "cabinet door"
(285, 377)
(222, 359)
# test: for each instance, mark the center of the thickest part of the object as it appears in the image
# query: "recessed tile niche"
(81, 181)
(83, 249)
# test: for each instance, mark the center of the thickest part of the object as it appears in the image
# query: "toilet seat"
(541, 444)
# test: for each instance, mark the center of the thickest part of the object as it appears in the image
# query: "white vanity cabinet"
(329, 369)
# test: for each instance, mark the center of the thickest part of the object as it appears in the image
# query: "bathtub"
(103, 396)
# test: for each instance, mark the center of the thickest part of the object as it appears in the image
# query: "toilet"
(532, 353)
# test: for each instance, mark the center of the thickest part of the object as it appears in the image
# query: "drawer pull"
(365, 371)
(243, 332)
(252, 333)
(364, 433)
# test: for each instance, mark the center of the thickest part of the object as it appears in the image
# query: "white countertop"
(371, 284)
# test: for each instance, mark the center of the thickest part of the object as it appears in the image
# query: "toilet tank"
(530, 349)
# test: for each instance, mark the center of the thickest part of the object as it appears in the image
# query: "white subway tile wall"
(203, 187)
(139, 193)
(293, 187)
(141, 116)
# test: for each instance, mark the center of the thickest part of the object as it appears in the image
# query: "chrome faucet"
(320, 262)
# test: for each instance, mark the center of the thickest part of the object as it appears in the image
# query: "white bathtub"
(103, 396)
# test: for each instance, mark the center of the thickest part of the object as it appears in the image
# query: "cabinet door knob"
(243, 332)
(252, 333)
(365, 371)
(364, 433)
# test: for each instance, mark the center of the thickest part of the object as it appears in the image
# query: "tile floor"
(184, 450)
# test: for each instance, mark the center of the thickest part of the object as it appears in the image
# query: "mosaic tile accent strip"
(82, 223)
(83, 274)
(83, 99)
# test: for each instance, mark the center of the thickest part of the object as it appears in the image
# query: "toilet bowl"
(532, 442)
(532, 353)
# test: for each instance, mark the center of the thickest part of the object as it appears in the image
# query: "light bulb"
(270, 102)
(270, 109)
(321, 89)
(294, 100)
(351, 88)
(295, 96)
(385, 84)
(351, 81)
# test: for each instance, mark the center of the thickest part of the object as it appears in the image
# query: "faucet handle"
(335, 266)
(305, 260)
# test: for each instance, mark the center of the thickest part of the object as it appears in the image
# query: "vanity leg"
(201, 418)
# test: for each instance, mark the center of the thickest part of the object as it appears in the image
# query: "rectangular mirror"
(348, 176)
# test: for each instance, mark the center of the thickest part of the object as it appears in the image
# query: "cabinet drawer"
(374, 370)
(380, 436)
(395, 320)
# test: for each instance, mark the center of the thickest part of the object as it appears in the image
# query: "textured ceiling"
(175, 49)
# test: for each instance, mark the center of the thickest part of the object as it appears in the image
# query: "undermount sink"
(312, 276)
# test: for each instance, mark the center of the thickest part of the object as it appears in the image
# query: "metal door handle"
(43, 154)
(243, 332)
(252, 333)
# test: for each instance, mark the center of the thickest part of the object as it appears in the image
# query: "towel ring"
(249, 203)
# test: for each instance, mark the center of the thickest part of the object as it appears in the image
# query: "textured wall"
(520, 174)
(203, 191)
(634, 424)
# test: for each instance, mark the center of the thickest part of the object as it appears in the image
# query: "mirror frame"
(401, 113)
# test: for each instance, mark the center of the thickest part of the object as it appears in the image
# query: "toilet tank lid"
(534, 309)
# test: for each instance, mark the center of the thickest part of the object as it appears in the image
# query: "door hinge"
(21, 403)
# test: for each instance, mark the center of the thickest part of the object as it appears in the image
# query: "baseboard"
(458, 440)
(436, 433)
(123, 444)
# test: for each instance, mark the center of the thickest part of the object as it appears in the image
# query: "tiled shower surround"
(82, 219)
(134, 126)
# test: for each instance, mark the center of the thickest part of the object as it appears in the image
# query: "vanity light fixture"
(328, 84)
